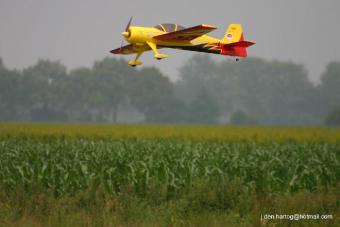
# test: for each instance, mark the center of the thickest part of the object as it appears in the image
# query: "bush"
(241, 118)
(333, 118)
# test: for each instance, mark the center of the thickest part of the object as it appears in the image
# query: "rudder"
(233, 43)
(233, 34)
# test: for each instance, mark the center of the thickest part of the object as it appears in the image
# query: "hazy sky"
(77, 32)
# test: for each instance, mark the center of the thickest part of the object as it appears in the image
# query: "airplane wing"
(186, 34)
(128, 49)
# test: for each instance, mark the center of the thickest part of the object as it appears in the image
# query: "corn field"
(152, 175)
(65, 164)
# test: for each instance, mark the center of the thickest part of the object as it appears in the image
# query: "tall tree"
(272, 92)
(153, 94)
(10, 96)
(329, 89)
(203, 109)
(42, 85)
(109, 91)
(77, 93)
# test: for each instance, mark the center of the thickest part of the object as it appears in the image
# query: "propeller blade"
(128, 25)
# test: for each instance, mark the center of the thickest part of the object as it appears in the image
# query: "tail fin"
(233, 34)
(233, 43)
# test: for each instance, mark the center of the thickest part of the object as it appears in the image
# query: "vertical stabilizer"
(233, 43)
(233, 34)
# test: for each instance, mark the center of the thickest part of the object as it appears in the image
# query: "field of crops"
(181, 132)
(221, 170)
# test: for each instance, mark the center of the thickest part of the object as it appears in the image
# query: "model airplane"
(143, 39)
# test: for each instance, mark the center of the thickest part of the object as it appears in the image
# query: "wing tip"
(208, 26)
(115, 51)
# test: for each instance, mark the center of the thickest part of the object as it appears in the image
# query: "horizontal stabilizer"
(242, 43)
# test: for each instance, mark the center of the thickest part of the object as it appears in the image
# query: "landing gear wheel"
(134, 63)
(160, 56)
(237, 59)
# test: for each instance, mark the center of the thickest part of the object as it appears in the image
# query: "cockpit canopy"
(169, 27)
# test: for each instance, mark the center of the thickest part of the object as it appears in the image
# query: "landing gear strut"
(158, 56)
(135, 62)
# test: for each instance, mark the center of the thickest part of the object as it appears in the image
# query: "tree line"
(252, 91)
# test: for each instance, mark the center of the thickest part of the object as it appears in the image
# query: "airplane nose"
(125, 34)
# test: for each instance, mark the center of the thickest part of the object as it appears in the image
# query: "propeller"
(127, 33)
(128, 25)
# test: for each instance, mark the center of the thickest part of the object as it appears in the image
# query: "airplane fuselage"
(141, 35)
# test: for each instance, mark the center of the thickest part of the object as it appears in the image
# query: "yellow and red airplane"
(175, 36)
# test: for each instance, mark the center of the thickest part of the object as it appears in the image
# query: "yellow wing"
(186, 34)
(130, 49)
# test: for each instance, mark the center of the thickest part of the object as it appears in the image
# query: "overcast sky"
(77, 32)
